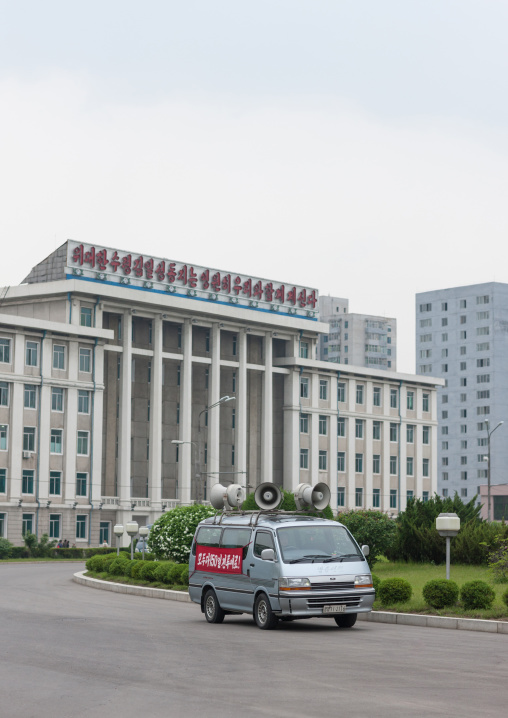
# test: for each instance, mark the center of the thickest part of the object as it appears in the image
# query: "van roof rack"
(256, 513)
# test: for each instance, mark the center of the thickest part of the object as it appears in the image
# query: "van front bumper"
(301, 604)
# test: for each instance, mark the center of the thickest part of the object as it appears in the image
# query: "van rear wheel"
(347, 621)
(213, 612)
(263, 614)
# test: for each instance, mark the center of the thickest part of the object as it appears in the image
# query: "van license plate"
(339, 608)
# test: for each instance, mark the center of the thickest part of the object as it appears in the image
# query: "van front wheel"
(263, 614)
(347, 621)
(213, 612)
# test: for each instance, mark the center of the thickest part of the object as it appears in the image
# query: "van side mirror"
(268, 554)
(365, 551)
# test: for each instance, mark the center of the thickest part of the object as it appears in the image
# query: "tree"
(372, 528)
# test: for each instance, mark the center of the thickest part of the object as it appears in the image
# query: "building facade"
(359, 339)
(462, 336)
(124, 394)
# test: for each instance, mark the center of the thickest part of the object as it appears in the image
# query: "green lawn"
(418, 574)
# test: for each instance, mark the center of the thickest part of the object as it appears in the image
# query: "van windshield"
(317, 544)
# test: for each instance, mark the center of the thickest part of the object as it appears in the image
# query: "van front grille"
(333, 586)
(349, 599)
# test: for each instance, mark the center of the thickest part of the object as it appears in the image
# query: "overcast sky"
(359, 147)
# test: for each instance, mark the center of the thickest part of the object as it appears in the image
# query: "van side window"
(264, 539)
(207, 536)
(236, 538)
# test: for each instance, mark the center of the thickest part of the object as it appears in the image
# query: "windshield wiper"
(313, 556)
(341, 558)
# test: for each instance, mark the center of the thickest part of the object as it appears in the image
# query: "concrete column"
(241, 410)
(332, 446)
(213, 466)
(96, 429)
(369, 452)
(185, 464)
(71, 423)
(291, 457)
(385, 462)
(314, 446)
(350, 454)
(402, 465)
(267, 427)
(433, 463)
(45, 418)
(16, 425)
(125, 418)
(155, 460)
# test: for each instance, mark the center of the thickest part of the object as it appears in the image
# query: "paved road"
(67, 651)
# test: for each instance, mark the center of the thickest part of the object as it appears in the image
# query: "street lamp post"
(222, 400)
(143, 532)
(132, 529)
(118, 531)
(487, 459)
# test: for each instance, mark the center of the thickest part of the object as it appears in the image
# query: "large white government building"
(130, 384)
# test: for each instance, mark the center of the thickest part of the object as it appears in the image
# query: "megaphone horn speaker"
(267, 496)
(235, 495)
(320, 496)
(218, 496)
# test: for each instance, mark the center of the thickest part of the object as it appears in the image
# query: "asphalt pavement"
(68, 651)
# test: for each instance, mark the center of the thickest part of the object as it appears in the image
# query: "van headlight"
(294, 584)
(364, 580)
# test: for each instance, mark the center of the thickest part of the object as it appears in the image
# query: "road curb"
(400, 619)
(450, 622)
(79, 577)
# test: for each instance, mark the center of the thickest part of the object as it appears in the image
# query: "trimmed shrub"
(99, 562)
(117, 566)
(477, 594)
(147, 570)
(20, 552)
(136, 567)
(172, 573)
(440, 593)
(505, 597)
(395, 590)
(5, 548)
(183, 579)
(375, 582)
(171, 535)
(373, 528)
(160, 571)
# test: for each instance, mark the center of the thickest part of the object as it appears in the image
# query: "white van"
(279, 566)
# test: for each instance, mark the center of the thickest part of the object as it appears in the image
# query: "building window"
(483, 299)
(410, 433)
(233, 418)
(31, 354)
(444, 430)
(483, 347)
(393, 398)
(425, 402)
(55, 483)
(304, 458)
(409, 495)
(85, 360)
(463, 460)
(376, 398)
(304, 350)
(233, 382)
(235, 343)
(85, 317)
(463, 475)
(323, 425)
(304, 423)
(341, 391)
(393, 498)
(358, 497)
(394, 433)
(359, 428)
(81, 526)
(233, 455)
(82, 449)
(54, 526)
(341, 426)
(3, 437)
(3, 483)
(29, 438)
(4, 393)
(376, 430)
(323, 460)
(444, 446)
(56, 398)
(445, 493)
(426, 307)
(55, 446)
(58, 356)
(482, 410)
(425, 468)
(425, 434)
(359, 463)
(376, 494)
(376, 463)
(341, 496)
(323, 389)
(304, 387)
(341, 461)
(5, 351)
(393, 465)
(81, 484)
(83, 402)
(27, 524)
(425, 497)
(463, 428)
(444, 415)
(359, 393)
(410, 400)
(27, 482)
(30, 396)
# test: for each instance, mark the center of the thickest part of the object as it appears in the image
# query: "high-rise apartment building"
(462, 336)
(357, 339)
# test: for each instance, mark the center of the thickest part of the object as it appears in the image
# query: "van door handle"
(253, 564)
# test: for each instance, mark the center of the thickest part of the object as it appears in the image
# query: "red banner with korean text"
(218, 560)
